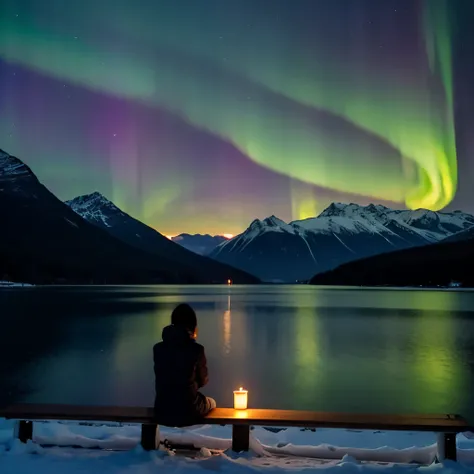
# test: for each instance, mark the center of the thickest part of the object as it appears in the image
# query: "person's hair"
(183, 315)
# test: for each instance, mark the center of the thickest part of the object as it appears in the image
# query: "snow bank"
(54, 451)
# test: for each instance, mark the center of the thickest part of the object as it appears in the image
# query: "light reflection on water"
(299, 347)
(227, 328)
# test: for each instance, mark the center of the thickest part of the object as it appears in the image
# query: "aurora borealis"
(200, 115)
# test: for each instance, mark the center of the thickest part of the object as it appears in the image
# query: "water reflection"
(439, 375)
(292, 347)
(227, 328)
(307, 346)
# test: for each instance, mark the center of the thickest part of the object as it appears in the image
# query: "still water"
(295, 347)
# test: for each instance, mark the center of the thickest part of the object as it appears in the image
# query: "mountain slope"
(199, 243)
(439, 264)
(101, 212)
(459, 236)
(44, 241)
(275, 250)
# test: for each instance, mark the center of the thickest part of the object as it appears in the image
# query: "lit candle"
(240, 399)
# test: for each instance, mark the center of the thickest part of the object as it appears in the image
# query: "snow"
(115, 448)
(309, 247)
(415, 220)
(11, 166)
(274, 221)
(340, 224)
(341, 219)
(272, 224)
(94, 207)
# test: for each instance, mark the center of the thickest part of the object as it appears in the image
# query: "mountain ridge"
(11, 166)
(278, 251)
(96, 209)
(446, 263)
(201, 244)
(47, 242)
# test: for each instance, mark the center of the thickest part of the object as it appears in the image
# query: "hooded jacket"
(180, 371)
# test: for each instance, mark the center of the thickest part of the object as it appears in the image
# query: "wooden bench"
(446, 426)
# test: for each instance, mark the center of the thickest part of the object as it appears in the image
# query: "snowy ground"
(73, 448)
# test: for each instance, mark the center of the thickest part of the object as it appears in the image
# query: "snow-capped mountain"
(12, 168)
(431, 225)
(16, 177)
(467, 234)
(98, 210)
(276, 251)
(202, 244)
(45, 241)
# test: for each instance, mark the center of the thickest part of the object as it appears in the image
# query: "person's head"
(184, 316)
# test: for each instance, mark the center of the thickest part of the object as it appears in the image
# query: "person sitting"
(180, 371)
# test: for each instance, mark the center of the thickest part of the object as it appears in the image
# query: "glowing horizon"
(170, 236)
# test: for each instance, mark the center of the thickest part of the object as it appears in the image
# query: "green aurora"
(284, 111)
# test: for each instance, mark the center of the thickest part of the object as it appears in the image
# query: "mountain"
(104, 214)
(276, 251)
(459, 236)
(198, 243)
(44, 241)
(442, 264)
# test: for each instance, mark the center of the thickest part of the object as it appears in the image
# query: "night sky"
(201, 115)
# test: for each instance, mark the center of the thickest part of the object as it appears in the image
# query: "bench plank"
(33, 411)
(446, 425)
(440, 423)
(296, 418)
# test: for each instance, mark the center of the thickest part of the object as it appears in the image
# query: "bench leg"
(447, 446)
(24, 430)
(150, 437)
(240, 438)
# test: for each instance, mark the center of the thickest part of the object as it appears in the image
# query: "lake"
(293, 347)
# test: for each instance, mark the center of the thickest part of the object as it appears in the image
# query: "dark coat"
(180, 371)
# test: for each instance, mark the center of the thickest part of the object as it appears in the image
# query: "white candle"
(240, 399)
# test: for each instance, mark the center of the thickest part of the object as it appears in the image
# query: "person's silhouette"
(180, 371)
